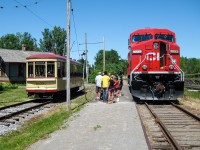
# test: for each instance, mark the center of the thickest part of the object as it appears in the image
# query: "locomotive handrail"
(171, 58)
(182, 73)
(137, 67)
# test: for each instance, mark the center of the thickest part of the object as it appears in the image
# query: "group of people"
(108, 86)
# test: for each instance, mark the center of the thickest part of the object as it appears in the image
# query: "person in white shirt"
(98, 81)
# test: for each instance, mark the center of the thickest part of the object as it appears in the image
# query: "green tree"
(46, 44)
(113, 63)
(190, 65)
(9, 41)
(59, 36)
(111, 57)
(53, 41)
(12, 41)
(28, 40)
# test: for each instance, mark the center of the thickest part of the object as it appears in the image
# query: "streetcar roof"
(45, 56)
(49, 56)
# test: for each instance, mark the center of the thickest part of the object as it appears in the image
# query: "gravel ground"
(99, 126)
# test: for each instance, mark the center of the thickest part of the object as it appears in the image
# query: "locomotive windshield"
(139, 38)
(165, 37)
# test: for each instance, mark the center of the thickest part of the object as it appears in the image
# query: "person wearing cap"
(98, 80)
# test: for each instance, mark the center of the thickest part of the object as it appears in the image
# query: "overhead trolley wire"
(17, 6)
(33, 13)
(75, 29)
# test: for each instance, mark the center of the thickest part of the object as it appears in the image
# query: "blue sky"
(114, 19)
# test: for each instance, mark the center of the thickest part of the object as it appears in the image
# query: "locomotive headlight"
(144, 67)
(137, 51)
(171, 67)
(155, 45)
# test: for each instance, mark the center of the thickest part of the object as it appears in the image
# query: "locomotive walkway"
(100, 126)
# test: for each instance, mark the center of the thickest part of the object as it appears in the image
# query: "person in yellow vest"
(105, 84)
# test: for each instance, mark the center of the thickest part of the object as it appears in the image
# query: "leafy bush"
(91, 77)
(7, 86)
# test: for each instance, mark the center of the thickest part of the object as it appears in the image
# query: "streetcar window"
(40, 69)
(30, 69)
(165, 37)
(63, 69)
(71, 69)
(79, 70)
(50, 69)
(139, 38)
(59, 70)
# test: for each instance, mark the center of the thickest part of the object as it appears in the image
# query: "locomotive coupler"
(159, 90)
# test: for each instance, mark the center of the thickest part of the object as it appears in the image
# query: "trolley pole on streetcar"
(68, 58)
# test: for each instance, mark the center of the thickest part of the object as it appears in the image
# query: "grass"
(30, 133)
(42, 126)
(192, 94)
(10, 96)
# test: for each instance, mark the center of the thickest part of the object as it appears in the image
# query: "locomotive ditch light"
(144, 67)
(155, 45)
(137, 51)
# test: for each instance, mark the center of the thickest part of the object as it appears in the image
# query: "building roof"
(18, 56)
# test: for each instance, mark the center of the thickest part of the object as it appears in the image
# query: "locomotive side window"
(40, 69)
(50, 69)
(165, 37)
(30, 69)
(139, 38)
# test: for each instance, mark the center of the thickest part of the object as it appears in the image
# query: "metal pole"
(86, 62)
(83, 68)
(103, 54)
(68, 58)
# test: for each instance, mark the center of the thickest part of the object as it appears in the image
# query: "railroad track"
(12, 116)
(192, 84)
(169, 126)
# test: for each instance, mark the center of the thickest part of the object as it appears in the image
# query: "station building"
(13, 65)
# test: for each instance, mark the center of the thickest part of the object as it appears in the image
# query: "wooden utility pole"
(68, 58)
(103, 54)
(86, 59)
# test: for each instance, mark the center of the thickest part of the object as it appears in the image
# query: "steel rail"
(23, 110)
(186, 111)
(17, 104)
(168, 134)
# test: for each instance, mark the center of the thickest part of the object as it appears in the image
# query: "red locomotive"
(154, 65)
